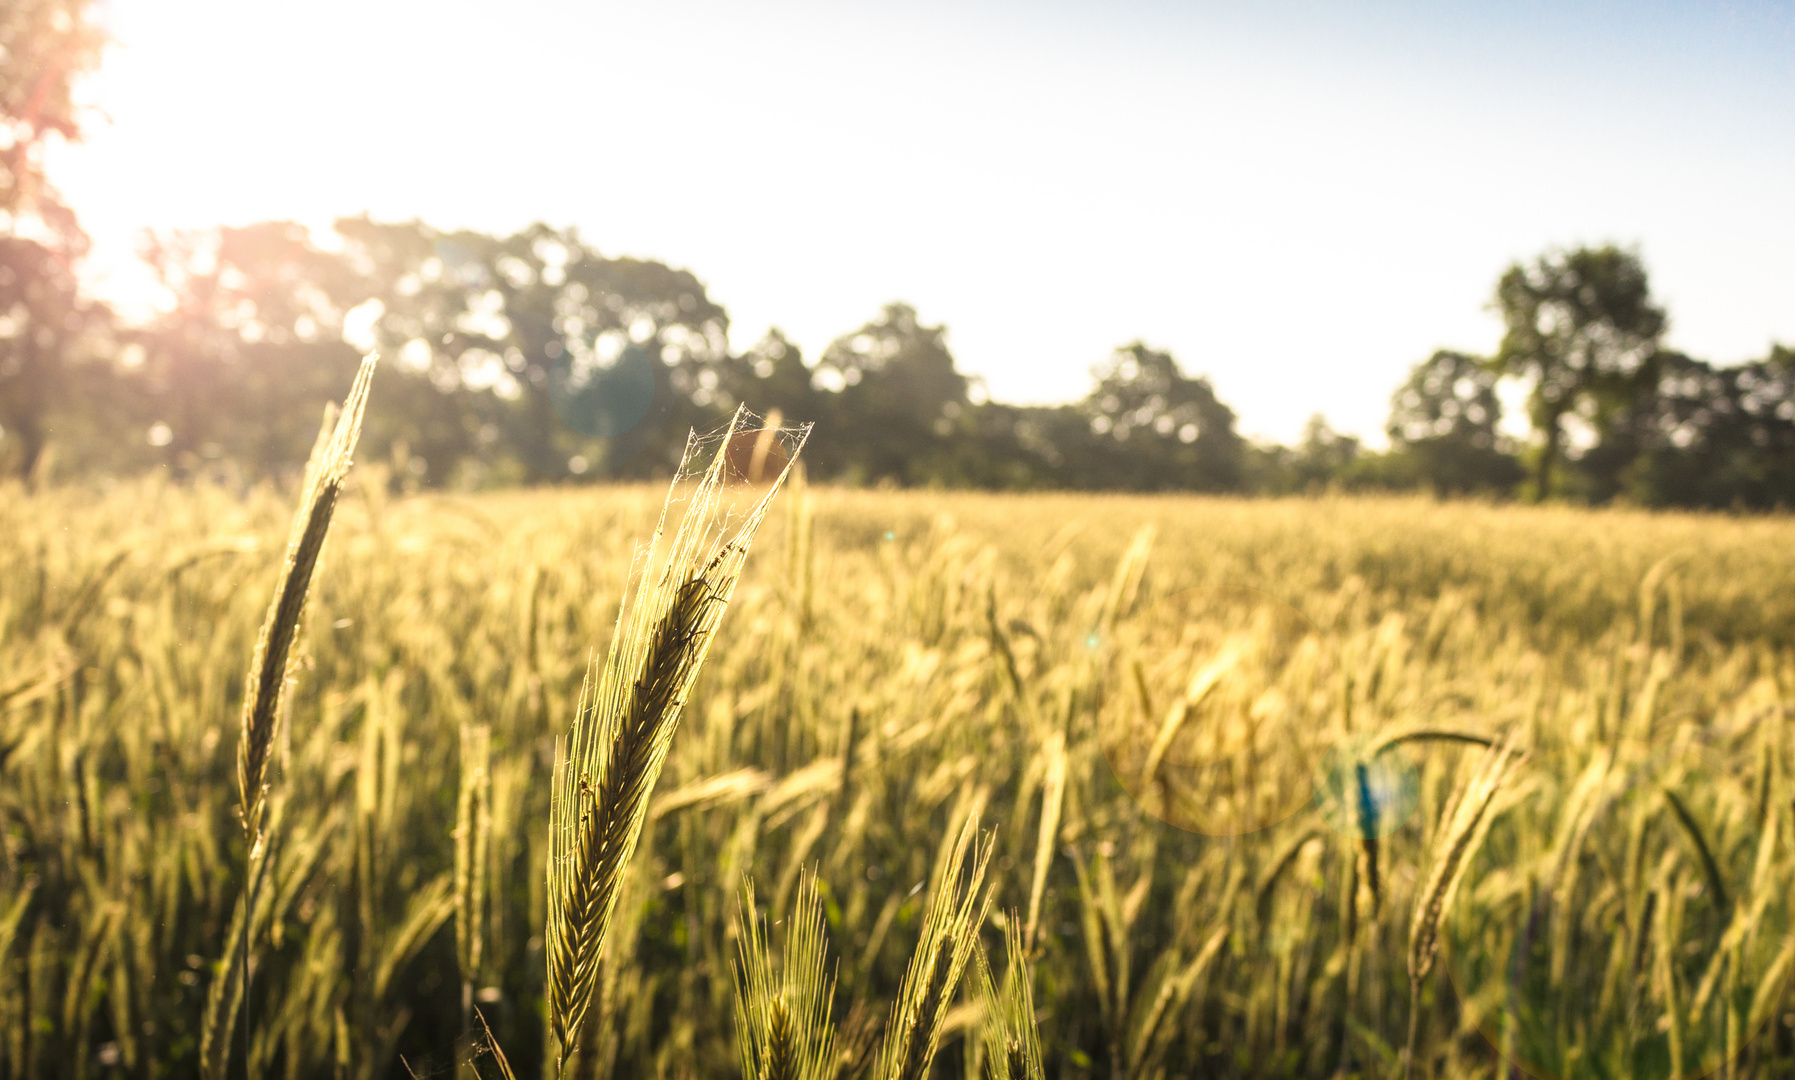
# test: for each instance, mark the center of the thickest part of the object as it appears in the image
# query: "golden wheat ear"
(264, 695)
(606, 767)
(782, 1016)
(472, 837)
(949, 939)
(1012, 1041)
(265, 687)
(1467, 823)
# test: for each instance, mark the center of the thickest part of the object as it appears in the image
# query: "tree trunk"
(1548, 458)
(32, 401)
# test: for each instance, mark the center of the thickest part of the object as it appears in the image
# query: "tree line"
(534, 358)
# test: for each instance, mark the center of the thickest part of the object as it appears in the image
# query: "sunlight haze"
(1299, 202)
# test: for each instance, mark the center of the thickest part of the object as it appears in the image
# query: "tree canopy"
(1446, 418)
(1582, 329)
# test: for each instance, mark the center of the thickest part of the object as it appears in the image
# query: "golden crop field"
(1268, 782)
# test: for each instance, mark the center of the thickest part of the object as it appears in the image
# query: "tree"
(521, 358)
(46, 327)
(1716, 437)
(892, 400)
(1582, 328)
(603, 364)
(44, 46)
(241, 364)
(1155, 428)
(1324, 454)
(1444, 420)
(772, 375)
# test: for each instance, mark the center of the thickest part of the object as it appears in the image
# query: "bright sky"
(1299, 200)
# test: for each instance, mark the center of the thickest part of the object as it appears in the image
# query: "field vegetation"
(1268, 788)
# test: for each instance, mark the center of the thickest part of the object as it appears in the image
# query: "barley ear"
(1710, 869)
(1053, 798)
(754, 984)
(473, 828)
(607, 765)
(264, 695)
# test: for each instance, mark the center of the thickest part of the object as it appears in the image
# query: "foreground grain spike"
(1457, 842)
(265, 689)
(1012, 1042)
(472, 836)
(264, 693)
(782, 1016)
(949, 939)
(606, 767)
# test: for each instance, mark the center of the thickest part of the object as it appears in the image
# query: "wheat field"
(1273, 788)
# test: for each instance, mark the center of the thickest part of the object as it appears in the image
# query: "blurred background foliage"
(535, 358)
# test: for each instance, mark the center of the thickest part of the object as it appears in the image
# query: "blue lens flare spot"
(603, 400)
(1366, 789)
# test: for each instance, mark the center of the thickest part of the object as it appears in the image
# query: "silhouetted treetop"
(1581, 327)
(892, 389)
(1156, 428)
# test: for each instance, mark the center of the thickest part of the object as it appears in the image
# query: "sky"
(1298, 200)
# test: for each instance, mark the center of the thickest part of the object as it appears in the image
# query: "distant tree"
(1323, 455)
(606, 363)
(772, 375)
(50, 340)
(1716, 437)
(1582, 328)
(892, 401)
(1154, 428)
(240, 365)
(1444, 419)
(995, 446)
(44, 46)
(507, 359)
(48, 44)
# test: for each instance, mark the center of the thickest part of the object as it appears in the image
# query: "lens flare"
(1367, 787)
(617, 402)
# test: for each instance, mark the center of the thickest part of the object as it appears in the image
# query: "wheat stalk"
(265, 688)
(1053, 799)
(1012, 1041)
(1459, 842)
(949, 939)
(782, 1017)
(606, 768)
(473, 829)
(1710, 869)
(264, 695)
